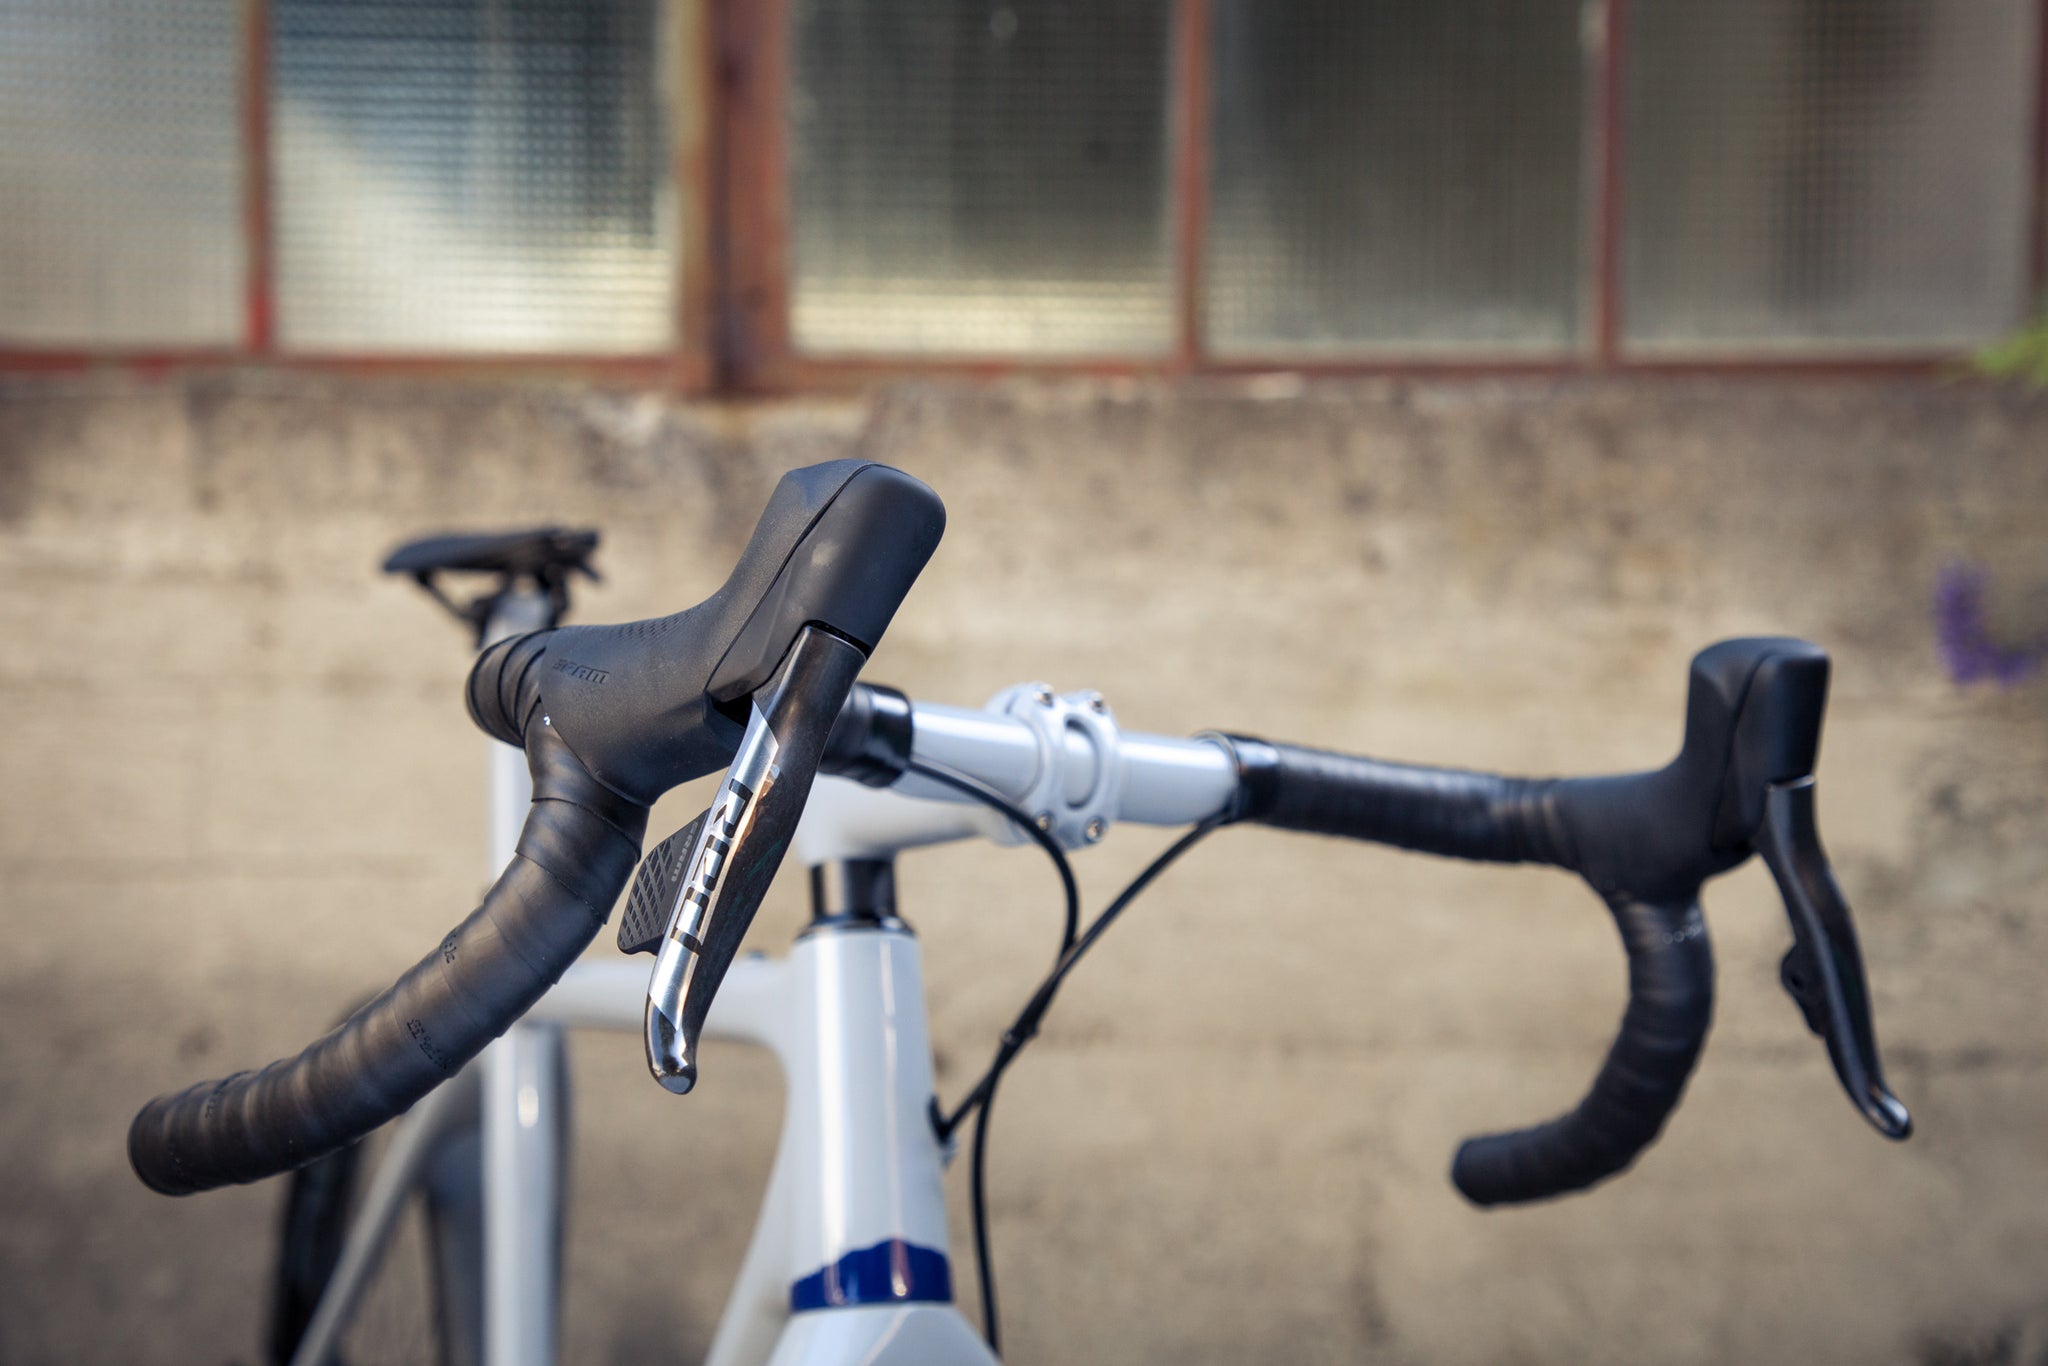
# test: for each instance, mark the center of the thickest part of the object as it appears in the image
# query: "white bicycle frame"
(849, 1259)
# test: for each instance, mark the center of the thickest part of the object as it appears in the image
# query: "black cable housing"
(980, 1100)
(988, 796)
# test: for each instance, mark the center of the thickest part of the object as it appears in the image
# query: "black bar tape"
(1430, 810)
(574, 855)
(1634, 838)
(504, 686)
(1670, 1005)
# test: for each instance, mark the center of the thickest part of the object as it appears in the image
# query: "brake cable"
(988, 796)
(981, 1098)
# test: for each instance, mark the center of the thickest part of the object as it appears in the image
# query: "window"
(120, 180)
(1824, 172)
(980, 178)
(1397, 177)
(777, 193)
(471, 175)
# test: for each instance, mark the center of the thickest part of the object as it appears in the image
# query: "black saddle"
(545, 556)
(543, 553)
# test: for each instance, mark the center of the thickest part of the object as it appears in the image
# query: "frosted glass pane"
(980, 178)
(1396, 175)
(120, 180)
(472, 175)
(1841, 172)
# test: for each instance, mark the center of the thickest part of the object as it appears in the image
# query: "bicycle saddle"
(547, 556)
(543, 553)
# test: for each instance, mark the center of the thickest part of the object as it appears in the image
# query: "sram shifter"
(697, 891)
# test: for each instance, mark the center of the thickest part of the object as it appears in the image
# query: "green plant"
(2022, 356)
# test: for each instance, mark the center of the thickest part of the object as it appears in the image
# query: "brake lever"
(1823, 971)
(737, 846)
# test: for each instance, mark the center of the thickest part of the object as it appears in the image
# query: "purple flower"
(1967, 650)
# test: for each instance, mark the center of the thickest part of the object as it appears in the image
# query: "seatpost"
(524, 1092)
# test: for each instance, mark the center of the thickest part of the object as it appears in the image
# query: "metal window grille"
(120, 179)
(1397, 175)
(472, 176)
(982, 178)
(959, 180)
(1810, 173)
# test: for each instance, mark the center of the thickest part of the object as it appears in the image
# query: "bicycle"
(849, 1260)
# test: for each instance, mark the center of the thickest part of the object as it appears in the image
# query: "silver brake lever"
(670, 1056)
(740, 844)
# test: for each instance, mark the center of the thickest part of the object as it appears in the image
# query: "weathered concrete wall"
(239, 789)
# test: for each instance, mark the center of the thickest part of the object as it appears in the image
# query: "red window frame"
(732, 302)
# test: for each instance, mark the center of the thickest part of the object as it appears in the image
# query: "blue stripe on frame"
(890, 1272)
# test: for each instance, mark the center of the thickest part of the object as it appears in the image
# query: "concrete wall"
(240, 790)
